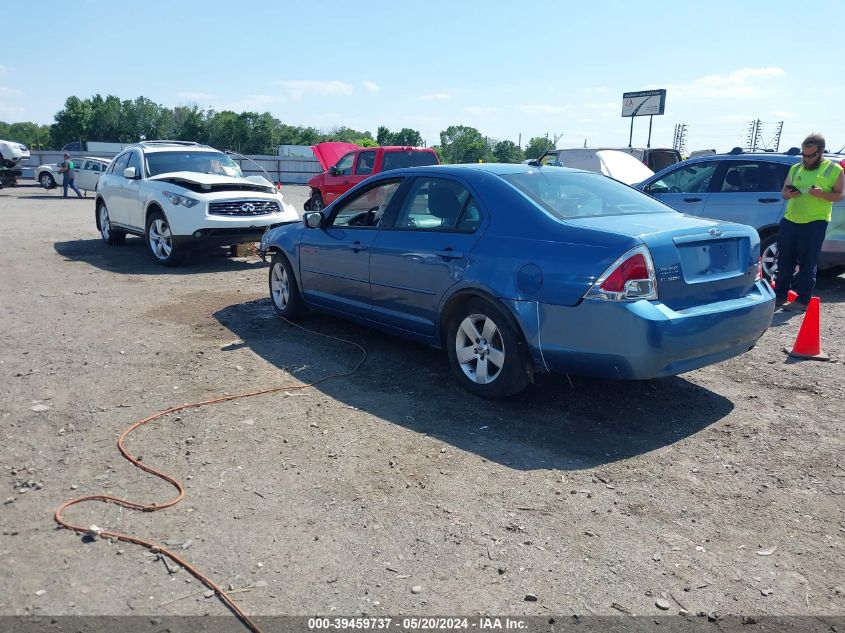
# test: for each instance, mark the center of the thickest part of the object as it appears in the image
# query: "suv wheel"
(109, 235)
(160, 240)
(769, 253)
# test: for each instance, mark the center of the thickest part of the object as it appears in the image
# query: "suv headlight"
(178, 200)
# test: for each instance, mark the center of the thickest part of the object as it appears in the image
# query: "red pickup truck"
(347, 164)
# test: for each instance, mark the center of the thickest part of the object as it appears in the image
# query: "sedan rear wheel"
(486, 353)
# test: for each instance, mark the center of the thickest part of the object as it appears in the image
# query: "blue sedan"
(517, 269)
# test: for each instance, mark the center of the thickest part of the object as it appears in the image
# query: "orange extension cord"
(154, 507)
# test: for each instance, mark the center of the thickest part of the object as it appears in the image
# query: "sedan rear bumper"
(646, 339)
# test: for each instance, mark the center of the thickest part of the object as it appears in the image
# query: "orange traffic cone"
(279, 186)
(791, 295)
(808, 344)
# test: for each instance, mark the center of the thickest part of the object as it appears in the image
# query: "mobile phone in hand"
(793, 188)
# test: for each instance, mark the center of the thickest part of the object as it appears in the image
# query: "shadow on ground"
(133, 258)
(560, 422)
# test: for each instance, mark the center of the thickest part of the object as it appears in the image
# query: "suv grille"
(243, 207)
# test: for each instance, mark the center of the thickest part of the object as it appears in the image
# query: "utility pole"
(776, 140)
(752, 137)
(679, 140)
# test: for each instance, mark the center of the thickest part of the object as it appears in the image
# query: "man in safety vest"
(811, 188)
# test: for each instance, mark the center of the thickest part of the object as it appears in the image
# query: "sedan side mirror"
(333, 170)
(313, 220)
(647, 189)
(129, 173)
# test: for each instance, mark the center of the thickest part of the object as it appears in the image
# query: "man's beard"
(815, 165)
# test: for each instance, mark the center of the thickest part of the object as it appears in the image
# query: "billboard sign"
(643, 103)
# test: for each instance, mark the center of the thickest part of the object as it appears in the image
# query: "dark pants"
(68, 182)
(798, 244)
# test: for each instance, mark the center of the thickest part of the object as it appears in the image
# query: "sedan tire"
(284, 291)
(46, 180)
(485, 352)
(769, 254)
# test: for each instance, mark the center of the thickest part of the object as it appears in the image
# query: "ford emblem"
(715, 232)
(248, 207)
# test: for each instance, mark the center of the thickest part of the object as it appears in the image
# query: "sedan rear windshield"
(568, 194)
(202, 162)
(398, 160)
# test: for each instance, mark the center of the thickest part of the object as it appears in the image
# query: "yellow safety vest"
(805, 208)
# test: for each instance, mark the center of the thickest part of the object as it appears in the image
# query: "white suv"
(178, 194)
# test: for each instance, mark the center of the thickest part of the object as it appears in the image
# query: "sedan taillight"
(629, 278)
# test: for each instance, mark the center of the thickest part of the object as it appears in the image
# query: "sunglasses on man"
(813, 155)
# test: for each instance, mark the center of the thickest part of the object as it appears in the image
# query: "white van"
(618, 165)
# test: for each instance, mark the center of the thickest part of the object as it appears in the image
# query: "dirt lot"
(391, 491)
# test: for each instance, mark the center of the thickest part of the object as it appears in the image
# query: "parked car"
(86, 175)
(178, 195)
(618, 165)
(346, 164)
(517, 269)
(12, 153)
(744, 187)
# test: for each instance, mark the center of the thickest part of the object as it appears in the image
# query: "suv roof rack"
(167, 142)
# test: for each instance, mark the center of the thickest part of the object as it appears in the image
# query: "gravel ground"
(391, 491)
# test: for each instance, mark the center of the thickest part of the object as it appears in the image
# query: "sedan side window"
(367, 208)
(688, 179)
(438, 205)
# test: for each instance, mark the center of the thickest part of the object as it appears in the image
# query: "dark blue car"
(516, 269)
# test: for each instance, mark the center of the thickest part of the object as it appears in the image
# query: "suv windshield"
(398, 160)
(216, 163)
(565, 194)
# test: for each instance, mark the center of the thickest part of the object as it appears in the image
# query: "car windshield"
(216, 163)
(398, 160)
(566, 194)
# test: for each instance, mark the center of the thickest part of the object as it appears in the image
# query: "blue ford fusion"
(515, 269)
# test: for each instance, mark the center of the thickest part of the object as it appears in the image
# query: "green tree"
(462, 144)
(225, 130)
(536, 146)
(188, 124)
(507, 152)
(105, 122)
(72, 122)
(143, 118)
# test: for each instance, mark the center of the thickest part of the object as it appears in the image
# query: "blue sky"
(505, 68)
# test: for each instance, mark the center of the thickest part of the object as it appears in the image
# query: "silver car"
(86, 175)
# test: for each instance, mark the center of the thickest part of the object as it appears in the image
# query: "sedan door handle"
(448, 254)
(692, 199)
(358, 246)
(768, 200)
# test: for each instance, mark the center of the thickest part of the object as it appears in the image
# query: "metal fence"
(288, 170)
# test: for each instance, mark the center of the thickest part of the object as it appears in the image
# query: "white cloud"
(783, 114)
(742, 83)
(253, 103)
(4, 70)
(437, 96)
(371, 86)
(301, 88)
(198, 97)
(481, 110)
(544, 109)
(10, 92)
(598, 90)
